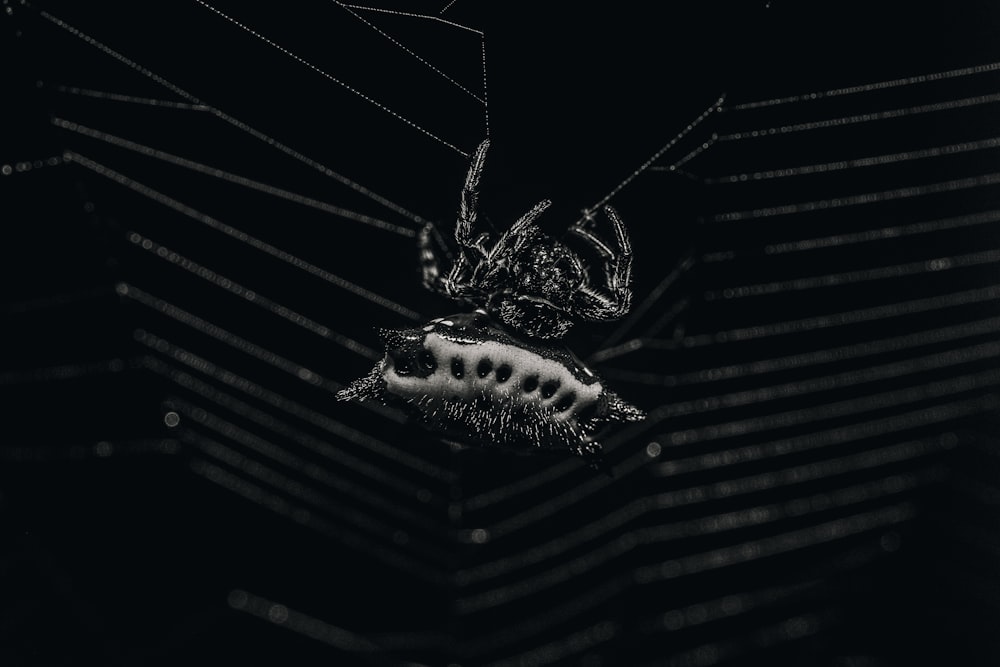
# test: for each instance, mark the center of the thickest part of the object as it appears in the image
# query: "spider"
(499, 376)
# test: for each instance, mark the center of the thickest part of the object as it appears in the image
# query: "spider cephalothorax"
(531, 282)
(499, 376)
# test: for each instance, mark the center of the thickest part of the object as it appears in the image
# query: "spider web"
(209, 218)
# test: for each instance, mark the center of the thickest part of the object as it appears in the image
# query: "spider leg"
(466, 269)
(521, 233)
(459, 283)
(582, 228)
(468, 209)
(435, 254)
(592, 304)
(456, 281)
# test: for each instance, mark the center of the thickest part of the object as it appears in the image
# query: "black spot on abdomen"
(566, 402)
(427, 361)
(549, 388)
(503, 373)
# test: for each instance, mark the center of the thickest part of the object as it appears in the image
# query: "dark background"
(125, 534)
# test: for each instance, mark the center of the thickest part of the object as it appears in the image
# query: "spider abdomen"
(499, 372)
(467, 377)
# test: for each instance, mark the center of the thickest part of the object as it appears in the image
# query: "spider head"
(525, 279)
(548, 270)
(540, 283)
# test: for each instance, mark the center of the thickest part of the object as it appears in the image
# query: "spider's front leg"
(468, 208)
(522, 233)
(468, 251)
(592, 304)
(480, 264)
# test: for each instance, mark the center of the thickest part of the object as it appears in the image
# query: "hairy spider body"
(499, 376)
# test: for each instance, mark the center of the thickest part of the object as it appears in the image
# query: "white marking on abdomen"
(442, 384)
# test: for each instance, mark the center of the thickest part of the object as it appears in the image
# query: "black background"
(130, 558)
